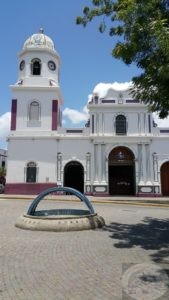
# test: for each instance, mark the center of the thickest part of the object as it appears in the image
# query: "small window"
(36, 66)
(31, 171)
(34, 111)
(121, 125)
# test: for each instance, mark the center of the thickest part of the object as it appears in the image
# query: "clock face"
(51, 65)
(22, 65)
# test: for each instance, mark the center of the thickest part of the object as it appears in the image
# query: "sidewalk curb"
(140, 202)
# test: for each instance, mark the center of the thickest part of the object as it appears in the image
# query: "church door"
(165, 179)
(121, 172)
(74, 176)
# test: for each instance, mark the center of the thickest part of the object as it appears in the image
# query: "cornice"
(24, 88)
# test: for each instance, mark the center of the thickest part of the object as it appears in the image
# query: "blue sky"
(85, 53)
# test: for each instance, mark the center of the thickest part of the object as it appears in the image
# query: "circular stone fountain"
(60, 219)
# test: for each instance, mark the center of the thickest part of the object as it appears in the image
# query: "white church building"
(120, 151)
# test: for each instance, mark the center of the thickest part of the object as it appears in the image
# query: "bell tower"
(37, 100)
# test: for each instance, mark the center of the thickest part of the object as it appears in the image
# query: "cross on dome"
(41, 30)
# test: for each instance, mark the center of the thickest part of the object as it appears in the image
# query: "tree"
(143, 28)
(2, 176)
(2, 171)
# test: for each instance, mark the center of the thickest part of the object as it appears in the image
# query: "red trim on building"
(98, 194)
(144, 195)
(13, 114)
(27, 188)
(54, 114)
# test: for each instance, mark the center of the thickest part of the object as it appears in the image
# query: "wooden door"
(165, 179)
(121, 180)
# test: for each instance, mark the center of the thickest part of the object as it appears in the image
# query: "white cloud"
(161, 122)
(89, 98)
(4, 129)
(63, 122)
(85, 110)
(5, 124)
(76, 116)
(102, 88)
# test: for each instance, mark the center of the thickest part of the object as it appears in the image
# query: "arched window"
(34, 111)
(31, 172)
(121, 127)
(36, 66)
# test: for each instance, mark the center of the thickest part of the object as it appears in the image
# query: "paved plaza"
(86, 265)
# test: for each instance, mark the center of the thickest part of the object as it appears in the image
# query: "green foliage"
(2, 171)
(143, 28)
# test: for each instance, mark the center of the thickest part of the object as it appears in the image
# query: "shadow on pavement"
(150, 234)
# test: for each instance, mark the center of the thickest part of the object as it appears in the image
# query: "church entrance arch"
(121, 171)
(165, 179)
(74, 176)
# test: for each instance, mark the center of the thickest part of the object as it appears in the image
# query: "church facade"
(120, 151)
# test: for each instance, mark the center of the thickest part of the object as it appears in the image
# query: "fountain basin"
(60, 222)
(60, 219)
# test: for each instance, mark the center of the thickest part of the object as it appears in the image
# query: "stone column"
(59, 166)
(96, 162)
(103, 124)
(88, 166)
(137, 172)
(144, 163)
(145, 123)
(155, 167)
(99, 162)
(100, 124)
(140, 164)
(97, 123)
(103, 163)
(139, 124)
(148, 173)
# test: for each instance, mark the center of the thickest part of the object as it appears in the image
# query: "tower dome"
(39, 62)
(39, 40)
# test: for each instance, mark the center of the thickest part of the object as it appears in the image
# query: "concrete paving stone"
(85, 265)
